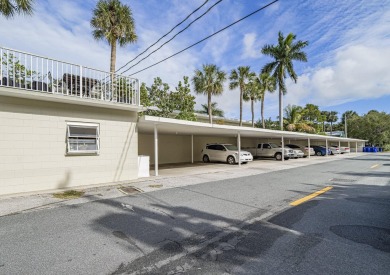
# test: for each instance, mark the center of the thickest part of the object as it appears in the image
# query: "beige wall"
(33, 146)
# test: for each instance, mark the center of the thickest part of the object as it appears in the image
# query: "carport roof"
(183, 127)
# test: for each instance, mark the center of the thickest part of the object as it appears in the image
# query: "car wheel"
(206, 159)
(304, 157)
(231, 160)
(278, 156)
(319, 153)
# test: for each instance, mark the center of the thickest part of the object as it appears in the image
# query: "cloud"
(251, 48)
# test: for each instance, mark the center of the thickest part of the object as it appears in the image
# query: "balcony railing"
(40, 74)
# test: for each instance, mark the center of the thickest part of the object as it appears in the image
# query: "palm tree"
(8, 8)
(240, 78)
(293, 119)
(266, 83)
(114, 22)
(215, 111)
(209, 82)
(252, 94)
(284, 53)
(332, 117)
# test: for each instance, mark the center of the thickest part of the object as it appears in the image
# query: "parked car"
(320, 150)
(344, 149)
(224, 153)
(334, 150)
(306, 150)
(298, 153)
(270, 150)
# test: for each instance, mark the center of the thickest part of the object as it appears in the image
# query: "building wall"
(33, 146)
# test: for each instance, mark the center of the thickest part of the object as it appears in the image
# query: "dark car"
(320, 150)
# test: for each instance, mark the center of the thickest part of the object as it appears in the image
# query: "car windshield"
(274, 145)
(231, 147)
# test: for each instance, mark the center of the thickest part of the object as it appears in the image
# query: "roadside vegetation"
(69, 194)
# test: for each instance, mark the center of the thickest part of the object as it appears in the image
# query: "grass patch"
(156, 185)
(70, 194)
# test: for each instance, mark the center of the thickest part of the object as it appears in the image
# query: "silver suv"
(224, 153)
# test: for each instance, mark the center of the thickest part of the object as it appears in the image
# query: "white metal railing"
(35, 73)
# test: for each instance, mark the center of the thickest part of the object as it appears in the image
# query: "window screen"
(83, 138)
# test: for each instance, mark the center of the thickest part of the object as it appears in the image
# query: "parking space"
(175, 146)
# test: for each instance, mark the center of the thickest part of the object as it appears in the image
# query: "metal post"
(282, 148)
(192, 148)
(155, 150)
(345, 122)
(356, 148)
(239, 148)
(81, 82)
(326, 153)
(308, 141)
(340, 147)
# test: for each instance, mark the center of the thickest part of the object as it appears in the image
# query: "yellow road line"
(309, 197)
(374, 166)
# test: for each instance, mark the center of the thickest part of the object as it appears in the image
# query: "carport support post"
(340, 147)
(282, 148)
(349, 146)
(155, 150)
(308, 143)
(326, 153)
(239, 148)
(356, 148)
(192, 148)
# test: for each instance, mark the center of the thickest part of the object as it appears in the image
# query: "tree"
(266, 83)
(323, 118)
(240, 78)
(215, 111)
(209, 82)
(252, 94)
(284, 53)
(114, 22)
(160, 97)
(293, 119)
(183, 101)
(332, 118)
(311, 113)
(8, 8)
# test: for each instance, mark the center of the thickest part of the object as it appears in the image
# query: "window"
(83, 138)
(266, 146)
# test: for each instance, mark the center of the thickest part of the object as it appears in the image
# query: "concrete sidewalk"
(169, 178)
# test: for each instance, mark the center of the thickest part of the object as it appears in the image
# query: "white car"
(344, 149)
(224, 153)
(306, 150)
(334, 150)
(298, 153)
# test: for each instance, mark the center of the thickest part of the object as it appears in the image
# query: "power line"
(211, 35)
(188, 16)
(196, 19)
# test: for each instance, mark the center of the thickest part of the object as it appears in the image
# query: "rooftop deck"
(25, 71)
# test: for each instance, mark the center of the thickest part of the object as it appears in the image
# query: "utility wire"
(196, 19)
(188, 16)
(211, 35)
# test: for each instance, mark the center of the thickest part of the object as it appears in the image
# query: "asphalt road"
(237, 226)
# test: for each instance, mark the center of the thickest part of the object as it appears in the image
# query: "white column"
(155, 150)
(308, 141)
(349, 146)
(192, 148)
(326, 154)
(239, 148)
(282, 148)
(356, 148)
(340, 147)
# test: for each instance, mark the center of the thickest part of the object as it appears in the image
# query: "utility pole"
(345, 124)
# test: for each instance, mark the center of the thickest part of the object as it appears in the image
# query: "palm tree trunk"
(281, 109)
(240, 106)
(253, 113)
(262, 112)
(209, 107)
(113, 57)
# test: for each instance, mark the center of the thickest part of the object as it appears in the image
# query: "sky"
(348, 54)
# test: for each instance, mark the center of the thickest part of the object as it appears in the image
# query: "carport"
(168, 140)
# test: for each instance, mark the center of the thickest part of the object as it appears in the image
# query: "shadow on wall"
(124, 154)
(65, 182)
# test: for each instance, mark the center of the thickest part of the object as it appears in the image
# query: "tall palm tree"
(252, 94)
(284, 53)
(215, 111)
(266, 83)
(240, 78)
(209, 82)
(8, 8)
(293, 119)
(114, 22)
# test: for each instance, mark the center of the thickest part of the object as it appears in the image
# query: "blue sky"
(348, 54)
